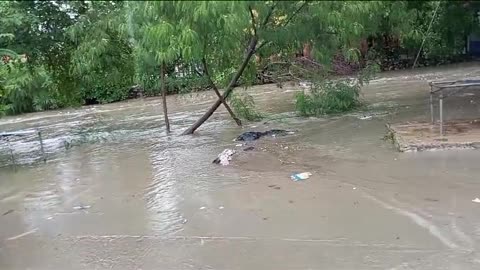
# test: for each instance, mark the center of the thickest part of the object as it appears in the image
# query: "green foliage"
(102, 64)
(334, 96)
(328, 97)
(24, 88)
(93, 51)
(244, 106)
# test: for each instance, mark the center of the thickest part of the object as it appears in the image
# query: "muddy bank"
(144, 200)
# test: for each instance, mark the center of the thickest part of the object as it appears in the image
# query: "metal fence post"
(41, 146)
(441, 112)
(431, 105)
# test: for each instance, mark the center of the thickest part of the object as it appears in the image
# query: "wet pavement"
(118, 193)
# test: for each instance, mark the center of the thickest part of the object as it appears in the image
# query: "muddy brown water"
(118, 193)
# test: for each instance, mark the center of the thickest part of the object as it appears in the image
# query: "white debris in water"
(365, 117)
(22, 234)
(354, 187)
(477, 200)
(239, 145)
(221, 207)
(300, 176)
(82, 207)
(203, 207)
(225, 157)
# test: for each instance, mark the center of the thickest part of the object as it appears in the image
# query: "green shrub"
(330, 97)
(244, 107)
(22, 86)
(327, 98)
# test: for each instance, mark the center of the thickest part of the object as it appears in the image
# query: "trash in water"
(477, 200)
(203, 207)
(184, 221)
(301, 176)
(239, 145)
(224, 157)
(221, 207)
(249, 136)
(255, 135)
(250, 148)
(82, 207)
(354, 188)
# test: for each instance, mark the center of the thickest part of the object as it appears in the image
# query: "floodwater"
(117, 193)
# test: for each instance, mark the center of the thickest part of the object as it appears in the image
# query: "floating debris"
(8, 212)
(477, 200)
(82, 207)
(365, 117)
(224, 157)
(255, 135)
(300, 176)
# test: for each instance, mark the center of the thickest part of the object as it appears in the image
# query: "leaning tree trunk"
(164, 98)
(219, 95)
(250, 51)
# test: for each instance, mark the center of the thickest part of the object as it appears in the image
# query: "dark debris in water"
(255, 135)
(8, 212)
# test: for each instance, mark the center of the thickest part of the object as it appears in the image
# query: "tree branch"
(253, 20)
(262, 44)
(250, 50)
(215, 89)
(295, 13)
(270, 12)
(286, 23)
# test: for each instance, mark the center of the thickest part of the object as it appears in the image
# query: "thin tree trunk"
(219, 95)
(250, 51)
(164, 98)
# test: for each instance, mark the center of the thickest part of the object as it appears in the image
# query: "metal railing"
(439, 87)
(6, 135)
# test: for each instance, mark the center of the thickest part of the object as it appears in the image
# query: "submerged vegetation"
(57, 54)
(333, 96)
(244, 106)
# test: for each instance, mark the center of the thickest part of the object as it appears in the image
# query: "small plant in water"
(244, 106)
(329, 96)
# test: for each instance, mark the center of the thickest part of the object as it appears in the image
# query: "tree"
(102, 63)
(155, 36)
(276, 27)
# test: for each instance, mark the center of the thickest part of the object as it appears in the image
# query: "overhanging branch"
(253, 21)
